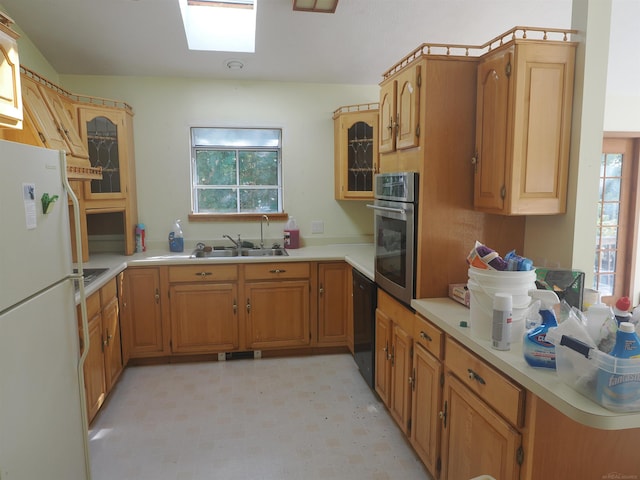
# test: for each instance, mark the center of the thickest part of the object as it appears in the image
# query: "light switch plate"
(317, 226)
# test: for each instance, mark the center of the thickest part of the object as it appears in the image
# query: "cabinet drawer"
(203, 273)
(428, 335)
(93, 306)
(268, 271)
(108, 292)
(397, 312)
(506, 397)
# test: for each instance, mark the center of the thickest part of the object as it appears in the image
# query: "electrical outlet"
(317, 226)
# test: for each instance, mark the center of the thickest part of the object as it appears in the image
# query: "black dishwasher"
(365, 299)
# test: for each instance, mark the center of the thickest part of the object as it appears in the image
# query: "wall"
(165, 109)
(30, 55)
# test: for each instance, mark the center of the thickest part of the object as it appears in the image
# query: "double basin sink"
(212, 252)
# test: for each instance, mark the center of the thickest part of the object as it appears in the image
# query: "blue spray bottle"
(538, 352)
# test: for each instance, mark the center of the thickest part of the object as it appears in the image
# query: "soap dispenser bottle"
(538, 352)
(176, 238)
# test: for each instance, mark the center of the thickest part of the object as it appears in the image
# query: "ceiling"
(355, 45)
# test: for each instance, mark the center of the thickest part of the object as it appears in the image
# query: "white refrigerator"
(43, 428)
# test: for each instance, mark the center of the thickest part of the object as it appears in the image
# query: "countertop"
(447, 315)
(359, 256)
(443, 312)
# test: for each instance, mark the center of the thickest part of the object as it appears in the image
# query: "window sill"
(225, 217)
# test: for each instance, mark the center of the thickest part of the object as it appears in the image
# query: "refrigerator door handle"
(83, 309)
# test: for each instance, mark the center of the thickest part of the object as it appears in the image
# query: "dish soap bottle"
(538, 352)
(618, 385)
(176, 238)
(291, 234)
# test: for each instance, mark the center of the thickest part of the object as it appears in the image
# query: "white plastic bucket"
(484, 284)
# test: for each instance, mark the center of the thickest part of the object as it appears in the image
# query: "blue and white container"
(618, 386)
(538, 351)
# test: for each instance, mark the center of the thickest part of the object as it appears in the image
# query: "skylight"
(220, 25)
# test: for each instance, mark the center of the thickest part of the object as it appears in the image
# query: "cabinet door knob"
(157, 296)
(248, 306)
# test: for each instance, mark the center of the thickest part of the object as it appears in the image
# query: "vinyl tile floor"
(294, 418)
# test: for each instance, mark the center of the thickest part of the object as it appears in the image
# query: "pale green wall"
(165, 108)
(31, 57)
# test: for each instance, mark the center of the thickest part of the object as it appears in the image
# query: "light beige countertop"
(359, 256)
(544, 383)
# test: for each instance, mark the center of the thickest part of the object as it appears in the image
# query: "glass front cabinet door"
(356, 151)
(108, 136)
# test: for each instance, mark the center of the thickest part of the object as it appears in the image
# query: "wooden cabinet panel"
(204, 318)
(66, 124)
(112, 343)
(489, 384)
(277, 313)
(426, 403)
(203, 273)
(333, 291)
(491, 131)
(429, 336)
(523, 128)
(408, 107)
(476, 440)
(383, 356)
(48, 132)
(401, 353)
(10, 96)
(355, 151)
(387, 116)
(276, 271)
(94, 368)
(141, 313)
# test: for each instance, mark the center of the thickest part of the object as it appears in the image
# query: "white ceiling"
(353, 46)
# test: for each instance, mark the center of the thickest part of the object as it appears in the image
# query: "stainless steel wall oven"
(395, 216)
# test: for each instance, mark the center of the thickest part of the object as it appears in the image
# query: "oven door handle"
(388, 209)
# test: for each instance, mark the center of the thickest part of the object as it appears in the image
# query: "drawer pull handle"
(202, 274)
(426, 337)
(277, 270)
(474, 376)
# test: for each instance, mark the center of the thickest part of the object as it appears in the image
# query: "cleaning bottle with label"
(538, 352)
(140, 238)
(291, 234)
(600, 323)
(621, 310)
(618, 385)
(176, 238)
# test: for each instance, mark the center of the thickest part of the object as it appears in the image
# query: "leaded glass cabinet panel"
(356, 151)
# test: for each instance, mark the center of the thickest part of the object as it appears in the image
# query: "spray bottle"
(538, 352)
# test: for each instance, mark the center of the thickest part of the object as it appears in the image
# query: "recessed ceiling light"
(234, 64)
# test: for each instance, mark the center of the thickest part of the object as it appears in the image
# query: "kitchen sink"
(264, 252)
(214, 252)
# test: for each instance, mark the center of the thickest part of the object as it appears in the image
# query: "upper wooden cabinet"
(356, 151)
(523, 128)
(50, 121)
(400, 108)
(10, 97)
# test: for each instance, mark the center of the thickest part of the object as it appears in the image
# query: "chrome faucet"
(237, 243)
(264, 217)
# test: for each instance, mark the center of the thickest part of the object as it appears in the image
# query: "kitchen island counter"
(448, 315)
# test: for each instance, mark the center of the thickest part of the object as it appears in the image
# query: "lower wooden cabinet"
(215, 308)
(334, 292)
(394, 351)
(426, 401)
(204, 308)
(104, 361)
(476, 440)
(143, 329)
